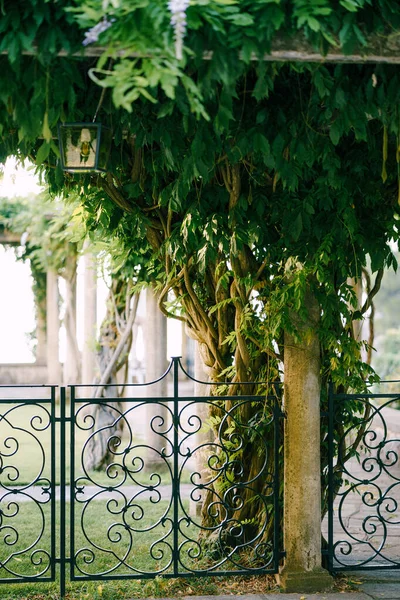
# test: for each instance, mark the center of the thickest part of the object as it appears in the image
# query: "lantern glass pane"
(79, 146)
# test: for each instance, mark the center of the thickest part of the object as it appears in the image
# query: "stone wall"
(22, 373)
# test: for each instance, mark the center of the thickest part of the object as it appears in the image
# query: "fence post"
(278, 517)
(330, 474)
(175, 478)
(302, 571)
(62, 491)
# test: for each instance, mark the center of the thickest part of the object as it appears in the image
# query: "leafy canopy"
(236, 182)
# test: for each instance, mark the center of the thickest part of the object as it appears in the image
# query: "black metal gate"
(363, 519)
(177, 495)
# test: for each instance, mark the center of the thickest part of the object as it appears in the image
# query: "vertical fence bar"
(72, 482)
(175, 481)
(277, 504)
(62, 491)
(330, 475)
(53, 516)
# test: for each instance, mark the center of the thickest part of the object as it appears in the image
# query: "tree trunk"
(115, 341)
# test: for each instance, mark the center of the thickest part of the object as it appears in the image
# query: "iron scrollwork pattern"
(27, 490)
(179, 495)
(365, 523)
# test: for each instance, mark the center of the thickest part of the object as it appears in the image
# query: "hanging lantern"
(84, 147)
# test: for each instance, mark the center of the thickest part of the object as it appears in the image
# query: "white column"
(155, 330)
(53, 327)
(72, 366)
(41, 348)
(90, 318)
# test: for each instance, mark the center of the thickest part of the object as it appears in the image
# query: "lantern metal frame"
(83, 148)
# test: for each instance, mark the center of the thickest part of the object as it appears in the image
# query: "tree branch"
(120, 346)
(373, 292)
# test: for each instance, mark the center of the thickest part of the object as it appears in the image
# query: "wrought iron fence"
(171, 486)
(363, 520)
(27, 483)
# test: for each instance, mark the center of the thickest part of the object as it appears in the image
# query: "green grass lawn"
(26, 450)
(93, 542)
(108, 537)
(100, 535)
(153, 588)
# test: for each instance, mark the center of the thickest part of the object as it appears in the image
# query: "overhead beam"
(378, 49)
(9, 237)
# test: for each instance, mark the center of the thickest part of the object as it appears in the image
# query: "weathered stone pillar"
(53, 328)
(302, 571)
(90, 318)
(155, 330)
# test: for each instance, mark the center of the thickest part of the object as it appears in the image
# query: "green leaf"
(46, 131)
(242, 19)
(276, 16)
(313, 24)
(334, 134)
(43, 153)
(261, 144)
(345, 31)
(296, 227)
(55, 149)
(360, 35)
(330, 39)
(350, 5)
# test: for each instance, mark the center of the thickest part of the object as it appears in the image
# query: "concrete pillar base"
(308, 582)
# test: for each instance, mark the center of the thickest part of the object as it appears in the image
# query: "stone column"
(90, 318)
(72, 365)
(155, 330)
(302, 571)
(53, 327)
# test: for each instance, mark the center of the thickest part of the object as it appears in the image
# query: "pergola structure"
(383, 49)
(47, 367)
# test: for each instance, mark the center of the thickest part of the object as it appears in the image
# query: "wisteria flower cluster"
(178, 21)
(92, 35)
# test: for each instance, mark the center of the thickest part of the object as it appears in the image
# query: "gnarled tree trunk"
(115, 340)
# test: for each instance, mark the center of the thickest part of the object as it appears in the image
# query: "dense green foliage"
(228, 174)
(237, 183)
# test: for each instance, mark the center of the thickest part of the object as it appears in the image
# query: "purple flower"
(178, 21)
(92, 35)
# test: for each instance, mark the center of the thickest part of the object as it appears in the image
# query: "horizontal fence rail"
(159, 483)
(364, 488)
